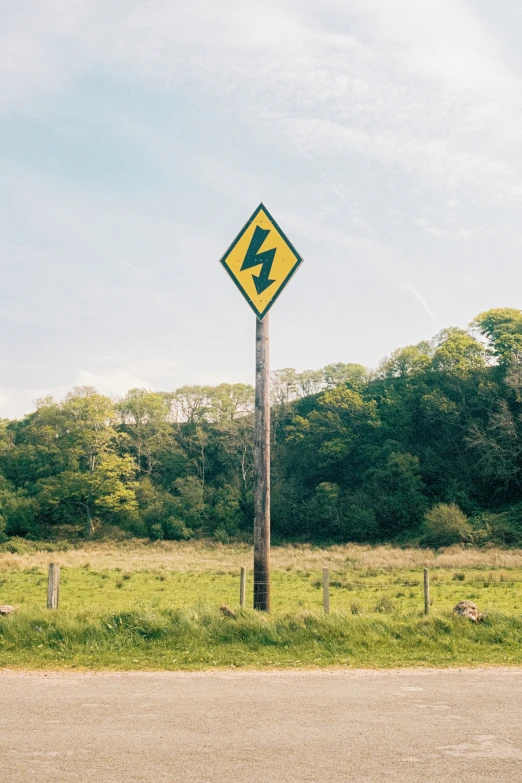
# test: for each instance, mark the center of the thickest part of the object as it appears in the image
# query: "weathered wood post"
(242, 587)
(261, 261)
(53, 586)
(326, 591)
(262, 468)
(426, 591)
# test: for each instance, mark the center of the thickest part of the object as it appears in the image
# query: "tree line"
(427, 448)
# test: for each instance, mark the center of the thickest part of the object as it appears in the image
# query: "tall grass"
(210, 556)
(155, 606)
(200, 637)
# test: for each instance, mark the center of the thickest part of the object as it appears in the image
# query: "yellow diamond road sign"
(261, 261)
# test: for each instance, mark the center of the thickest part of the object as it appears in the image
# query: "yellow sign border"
(299, 260)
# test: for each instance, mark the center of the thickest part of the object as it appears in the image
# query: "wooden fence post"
(326, 591)
(426, 591)
(242, 587)
(53, 586)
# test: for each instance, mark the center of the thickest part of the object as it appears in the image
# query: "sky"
(137, 137)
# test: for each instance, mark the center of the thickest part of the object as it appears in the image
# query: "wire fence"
(349, 584)
(442, 588)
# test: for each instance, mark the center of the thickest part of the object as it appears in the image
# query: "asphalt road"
(455, 725)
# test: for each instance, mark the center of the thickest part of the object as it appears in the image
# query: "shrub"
(504, 528)
(446, 524)
(176, 530)
(33, 545)
(156, 532)
(18, 546)
(221, 535)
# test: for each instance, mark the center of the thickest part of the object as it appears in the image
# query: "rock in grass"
(5, 609)
(469, 609)
(226, 611)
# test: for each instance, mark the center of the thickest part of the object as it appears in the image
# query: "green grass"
(86, 589)
(202, 638)
(161, 619)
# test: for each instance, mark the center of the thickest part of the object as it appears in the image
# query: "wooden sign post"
(262, 469)
(261, 261)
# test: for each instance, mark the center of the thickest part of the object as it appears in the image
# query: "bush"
(445, 524)
(24, 546)
(221, 535)
(176, 530)
(504, 529)
(156, 532)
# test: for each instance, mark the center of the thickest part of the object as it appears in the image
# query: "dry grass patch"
(190, 556)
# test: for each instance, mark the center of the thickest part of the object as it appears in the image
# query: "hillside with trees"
(426, 448)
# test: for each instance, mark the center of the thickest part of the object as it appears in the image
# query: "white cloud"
(396, 123)
(397, 81)
(404, 86)
(444, 41)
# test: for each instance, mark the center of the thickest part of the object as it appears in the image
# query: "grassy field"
(156, 606)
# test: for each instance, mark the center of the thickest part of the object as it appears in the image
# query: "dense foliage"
(428, 447)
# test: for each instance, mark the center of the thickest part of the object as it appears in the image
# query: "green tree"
(354, 456)
(160, 512)
(405, 362)
(96, 479)
(310, 382)
(18, 511)
(329, 444)
(497, 446)
(189, 502)
(32, 448)
(229, 401)
(324, 510)
(339, 374)
(192, 403)
(107, 490)
(502, 328)
(458, 353)
(225, 511)
(396, 493)
(145, 418)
